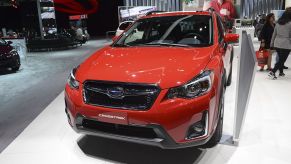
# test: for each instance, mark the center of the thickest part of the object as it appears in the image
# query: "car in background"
(161, 83)
(9, 57)
(123, 26)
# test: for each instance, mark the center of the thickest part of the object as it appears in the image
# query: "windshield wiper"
(167, 44)
(121, 45)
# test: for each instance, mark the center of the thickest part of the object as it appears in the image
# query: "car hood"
(165, 66)
(4, 49)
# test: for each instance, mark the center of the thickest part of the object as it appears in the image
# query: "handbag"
(262, 57)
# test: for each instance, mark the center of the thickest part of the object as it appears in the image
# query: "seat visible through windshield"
(189, 30)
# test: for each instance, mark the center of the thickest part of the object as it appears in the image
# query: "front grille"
(2, 57)
(124, 130)
(120, 95)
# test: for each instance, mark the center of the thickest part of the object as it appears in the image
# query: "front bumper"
(167, 121)
(162, 139)
(9, 62)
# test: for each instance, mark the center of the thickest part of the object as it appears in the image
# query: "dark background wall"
(29, 15)
(62, 20)
(105, 19)
(9, 18)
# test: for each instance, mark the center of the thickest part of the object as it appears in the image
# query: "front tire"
(16, 64)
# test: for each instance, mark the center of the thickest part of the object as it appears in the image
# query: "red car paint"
(166, 67)
(77, 7)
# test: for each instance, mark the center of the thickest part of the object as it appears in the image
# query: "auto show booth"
(156, 81)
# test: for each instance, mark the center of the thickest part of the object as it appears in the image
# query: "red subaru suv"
(160, 83)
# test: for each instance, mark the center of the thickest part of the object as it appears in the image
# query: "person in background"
(260, 25)
(277, 57)
(72, 31)
(287, 9)
(86, 33)
(79, 33)
(11, 34)
(281, 41)
(224, 8)
(266, 36)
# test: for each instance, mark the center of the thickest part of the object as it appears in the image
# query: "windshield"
(2, 42)
(189, 30)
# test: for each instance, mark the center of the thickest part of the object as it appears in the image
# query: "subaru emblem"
(116, 92)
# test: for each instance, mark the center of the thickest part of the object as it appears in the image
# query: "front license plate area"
(113, 117)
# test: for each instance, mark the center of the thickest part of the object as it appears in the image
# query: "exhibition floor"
(265, 137)
(26, 93)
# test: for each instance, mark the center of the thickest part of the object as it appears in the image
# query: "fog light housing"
(67, 113)
(198, 129)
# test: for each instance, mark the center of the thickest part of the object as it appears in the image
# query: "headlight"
(73, 83)
(13, 52)
(199, 86)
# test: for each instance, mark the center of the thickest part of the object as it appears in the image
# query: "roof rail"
(153, 12)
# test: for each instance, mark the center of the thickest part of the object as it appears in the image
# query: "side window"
(154, 30)
(123, 26)
(136, 35)
(221, 30)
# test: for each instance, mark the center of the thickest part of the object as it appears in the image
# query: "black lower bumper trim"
(162, 139)
(11, 62)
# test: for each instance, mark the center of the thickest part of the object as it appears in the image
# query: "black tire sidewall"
(17, 64)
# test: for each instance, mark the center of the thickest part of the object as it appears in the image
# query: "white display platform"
(265, 137)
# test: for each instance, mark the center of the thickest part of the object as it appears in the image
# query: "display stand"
(247, 63)
(248, 29)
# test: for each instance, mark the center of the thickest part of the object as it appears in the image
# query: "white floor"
(265, 138)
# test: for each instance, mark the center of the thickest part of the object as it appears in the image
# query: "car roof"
(177, 13)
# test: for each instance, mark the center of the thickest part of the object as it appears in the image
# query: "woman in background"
(281, 41)
(266, 37)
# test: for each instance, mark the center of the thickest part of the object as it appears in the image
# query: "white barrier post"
(246, 73)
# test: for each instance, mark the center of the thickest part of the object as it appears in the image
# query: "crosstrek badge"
(110, 116)
(113, 117)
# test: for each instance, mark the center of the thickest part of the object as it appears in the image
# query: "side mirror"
(114, 38)
(231, 38)
(9, 42)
